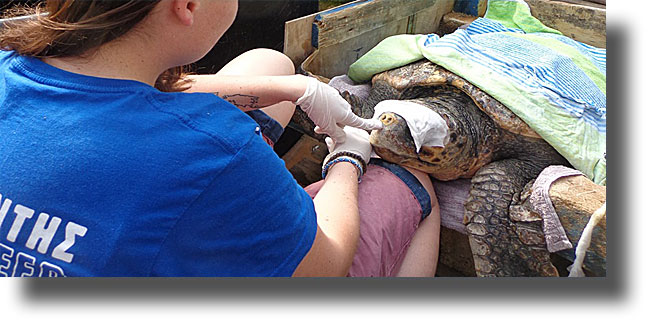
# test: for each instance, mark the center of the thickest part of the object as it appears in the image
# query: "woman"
(108, 168)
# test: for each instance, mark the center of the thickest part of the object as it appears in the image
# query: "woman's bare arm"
(251, 92)
(338, 225)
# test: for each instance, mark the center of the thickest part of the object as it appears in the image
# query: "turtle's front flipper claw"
(356, 103)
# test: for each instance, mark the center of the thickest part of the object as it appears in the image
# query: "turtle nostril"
(387, 119)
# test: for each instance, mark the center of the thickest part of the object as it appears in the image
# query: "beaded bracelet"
(335, 155)
(324, 170)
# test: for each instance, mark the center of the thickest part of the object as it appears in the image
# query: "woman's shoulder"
(5, 57)
(209, 115)
(6, 54)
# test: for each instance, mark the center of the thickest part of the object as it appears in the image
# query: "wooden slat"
(339, 26)
(298, 35)
(590, 3)
(304, 160)
(298, 39)
(358, 27)
(332, 60)
(428, 20)
(482, 7)
(582, 23)
(452, 21)
(455, 252)
(575, 199)
(335, 60)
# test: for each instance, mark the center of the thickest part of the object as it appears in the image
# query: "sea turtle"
(487, 143)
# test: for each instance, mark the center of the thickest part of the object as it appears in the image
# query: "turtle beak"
(394, 136)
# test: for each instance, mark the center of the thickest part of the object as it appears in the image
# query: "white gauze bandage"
(427, 127)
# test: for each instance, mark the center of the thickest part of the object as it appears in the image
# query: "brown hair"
(64, 28)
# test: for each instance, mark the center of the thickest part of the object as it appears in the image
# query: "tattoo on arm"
(241, 100)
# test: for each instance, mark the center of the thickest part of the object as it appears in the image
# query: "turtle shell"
(427, 74)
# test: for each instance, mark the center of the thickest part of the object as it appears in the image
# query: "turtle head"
(394, 139)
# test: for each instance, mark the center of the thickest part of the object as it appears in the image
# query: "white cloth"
(554, 233)
(427, 127)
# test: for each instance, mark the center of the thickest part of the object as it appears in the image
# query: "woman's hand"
(330, 112)
(356, 141)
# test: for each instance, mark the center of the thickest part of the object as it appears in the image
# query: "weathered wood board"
(581, 22)
(452, 21)
(575, 199)
(335, 59)
(344, 33)
(304, 160)
(298, 39)
(351, 22)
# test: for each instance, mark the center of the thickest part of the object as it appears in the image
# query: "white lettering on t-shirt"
(42, 233)
(22, 213)
(24, 265)
(50, 270)
(6, 253)
(72, 229)
(4, 209)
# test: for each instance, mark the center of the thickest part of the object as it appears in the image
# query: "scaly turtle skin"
(487, 143)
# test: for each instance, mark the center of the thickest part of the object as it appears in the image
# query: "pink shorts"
(391, 202)
(389, 215)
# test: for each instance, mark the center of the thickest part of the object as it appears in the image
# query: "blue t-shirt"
(106, 177)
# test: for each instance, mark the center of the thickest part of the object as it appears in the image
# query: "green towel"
(516, 15)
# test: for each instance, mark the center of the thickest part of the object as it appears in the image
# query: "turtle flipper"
(501, 246)
(357, 105)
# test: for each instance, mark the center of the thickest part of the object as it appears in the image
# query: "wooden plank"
(298, 34)
(304, 160)
(455, 252)
(298, 39)
(428, 20)
(353, 21)
(575, 199)
(482, 7)
(358, 27)
(582, 23)
(452, 21)
(590, 3)
(335, 60)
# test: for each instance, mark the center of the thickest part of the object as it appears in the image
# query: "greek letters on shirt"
(15, 263)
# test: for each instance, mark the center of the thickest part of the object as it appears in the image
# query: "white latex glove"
(355, 141)
(330, 112)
